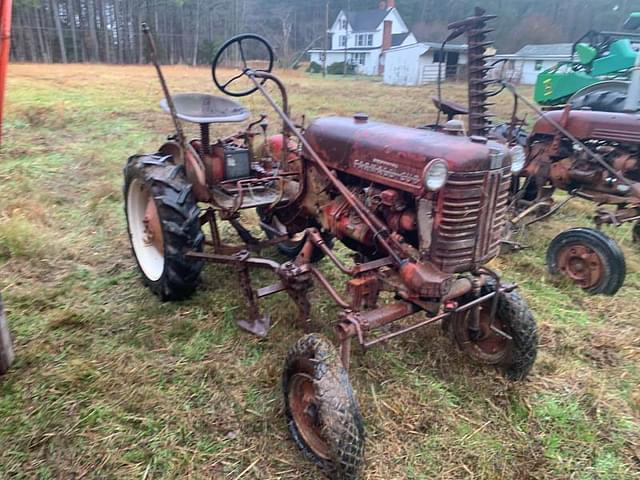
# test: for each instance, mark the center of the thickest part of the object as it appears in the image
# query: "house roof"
(398, 38)
(545, 50)
(449, 47)
(366, 20)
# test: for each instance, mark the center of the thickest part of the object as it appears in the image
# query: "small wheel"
(588, 258)
(259, 43)
(636, 232)
(6, 345)
(514, 356)
(163, 221)
(321, 410)
(292, 247)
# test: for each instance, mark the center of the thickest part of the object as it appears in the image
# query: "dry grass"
(110, 383)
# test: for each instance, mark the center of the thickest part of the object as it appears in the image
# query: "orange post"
(5, 38)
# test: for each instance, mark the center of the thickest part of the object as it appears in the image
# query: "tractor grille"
(470, 218)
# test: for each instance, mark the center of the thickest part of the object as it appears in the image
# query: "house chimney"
(391, 4)
(386, 35)
(382, 5)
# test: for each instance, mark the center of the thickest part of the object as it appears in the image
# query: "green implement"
(600, 60)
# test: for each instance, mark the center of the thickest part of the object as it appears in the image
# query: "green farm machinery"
(603, 73)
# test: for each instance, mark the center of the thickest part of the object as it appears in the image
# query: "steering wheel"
(224, 87)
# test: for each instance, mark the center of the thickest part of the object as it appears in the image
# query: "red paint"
(587, 125)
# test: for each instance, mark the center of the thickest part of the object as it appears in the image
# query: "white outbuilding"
(526, 64)
(418, 63)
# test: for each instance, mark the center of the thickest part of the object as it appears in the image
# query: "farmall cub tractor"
(422, 210)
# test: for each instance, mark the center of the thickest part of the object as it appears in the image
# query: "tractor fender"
(193, 166)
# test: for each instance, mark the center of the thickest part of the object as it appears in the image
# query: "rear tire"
(321, 410)
(588, 258)
(162, 261)
(600, 101)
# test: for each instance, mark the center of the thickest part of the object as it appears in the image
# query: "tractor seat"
(202, 108)
(450, 109)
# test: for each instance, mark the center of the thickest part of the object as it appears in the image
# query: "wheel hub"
(152, 228)
(305, 412)
(145, 230)
(489, 343)
(581, 264)
(484, 344)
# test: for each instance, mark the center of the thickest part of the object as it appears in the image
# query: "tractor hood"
(586, 125)
(396, 156)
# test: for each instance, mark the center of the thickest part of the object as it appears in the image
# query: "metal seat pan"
(203, 108)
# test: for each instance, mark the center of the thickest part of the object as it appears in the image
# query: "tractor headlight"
(518, 159)
(435, 174)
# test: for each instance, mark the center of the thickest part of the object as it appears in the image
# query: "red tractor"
(587, 153)
(423, 211)
(591, 155)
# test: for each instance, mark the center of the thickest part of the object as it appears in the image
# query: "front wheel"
(514, 353)
(588, 258)
(321, 410)
(163, 221)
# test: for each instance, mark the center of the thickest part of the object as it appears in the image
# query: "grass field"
(110, 383)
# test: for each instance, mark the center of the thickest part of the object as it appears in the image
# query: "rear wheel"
(513, 356)
(588, 258)
(321, 410)
(163, 221)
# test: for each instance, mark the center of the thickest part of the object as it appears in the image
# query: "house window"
(539, 65)
(342, 41)
(358, 58)
(364, 40)
(343, 24)
(439, 57)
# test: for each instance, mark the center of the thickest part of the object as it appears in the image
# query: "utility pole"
(5, 39)
(326, 36)
(346, 39)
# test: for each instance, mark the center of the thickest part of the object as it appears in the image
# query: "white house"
(361, 37)
(526, 64)
(418, 63)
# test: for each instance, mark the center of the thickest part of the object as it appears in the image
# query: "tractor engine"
(443, 197)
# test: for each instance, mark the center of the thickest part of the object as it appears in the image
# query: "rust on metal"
(152, 227)
(581, 264)
(305, 409)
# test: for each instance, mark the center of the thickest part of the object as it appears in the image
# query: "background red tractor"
(594, 155)
(423, 211)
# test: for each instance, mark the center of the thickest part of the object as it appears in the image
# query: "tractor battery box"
(237, 163)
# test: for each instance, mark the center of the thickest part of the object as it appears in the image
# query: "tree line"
(190, 31)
